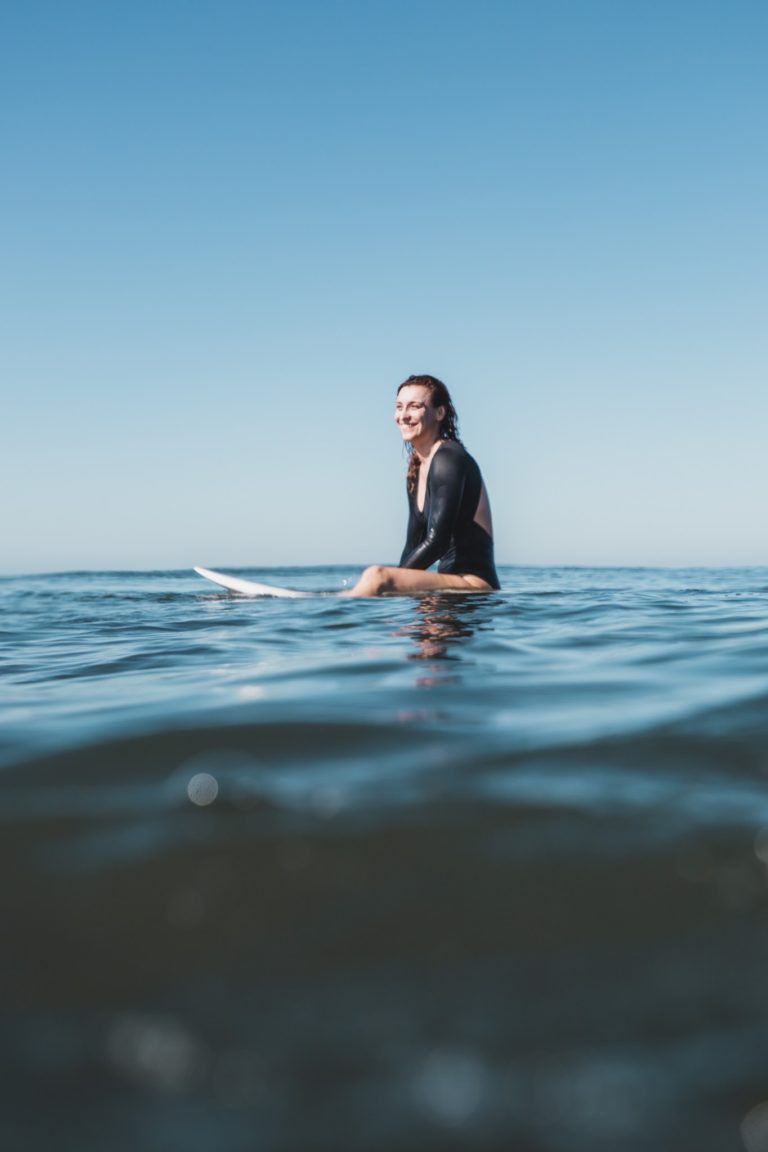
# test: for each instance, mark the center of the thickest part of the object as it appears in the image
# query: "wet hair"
(449, 425)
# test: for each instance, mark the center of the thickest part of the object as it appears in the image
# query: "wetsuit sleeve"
(447, 474)
(413, 533)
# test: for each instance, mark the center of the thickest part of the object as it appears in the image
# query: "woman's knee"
(377, 579)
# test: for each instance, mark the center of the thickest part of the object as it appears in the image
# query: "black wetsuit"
(446, 530)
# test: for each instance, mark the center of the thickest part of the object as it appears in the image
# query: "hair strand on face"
(440, 397)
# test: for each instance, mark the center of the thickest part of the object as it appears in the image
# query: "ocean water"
(440, 873)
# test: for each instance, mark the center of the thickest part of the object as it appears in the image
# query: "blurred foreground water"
(453, 872)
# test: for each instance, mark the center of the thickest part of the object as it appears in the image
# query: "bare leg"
(383, 581)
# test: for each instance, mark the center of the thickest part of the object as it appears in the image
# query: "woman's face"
(415, 416)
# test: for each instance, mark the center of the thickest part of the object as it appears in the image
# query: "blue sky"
(229, 230)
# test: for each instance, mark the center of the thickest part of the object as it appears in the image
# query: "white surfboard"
(251, 588)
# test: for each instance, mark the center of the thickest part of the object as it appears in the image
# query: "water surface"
(482, 872)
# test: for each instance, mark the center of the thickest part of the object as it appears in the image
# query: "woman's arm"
(447, 474)
(413, 532)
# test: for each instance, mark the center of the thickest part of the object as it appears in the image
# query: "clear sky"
(229, 229)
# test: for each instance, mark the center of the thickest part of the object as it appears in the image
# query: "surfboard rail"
(250, 587)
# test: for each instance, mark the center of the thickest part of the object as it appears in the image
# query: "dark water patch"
(485, 998)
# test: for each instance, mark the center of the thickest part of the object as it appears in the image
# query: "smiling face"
(419, 422)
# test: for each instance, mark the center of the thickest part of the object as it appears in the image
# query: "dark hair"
(449, 425)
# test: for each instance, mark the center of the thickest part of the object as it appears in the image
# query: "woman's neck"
(425, 452)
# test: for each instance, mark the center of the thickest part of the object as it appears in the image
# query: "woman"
(450, 516)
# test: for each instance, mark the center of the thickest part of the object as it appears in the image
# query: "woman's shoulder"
(452, 448)
(451, 455)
